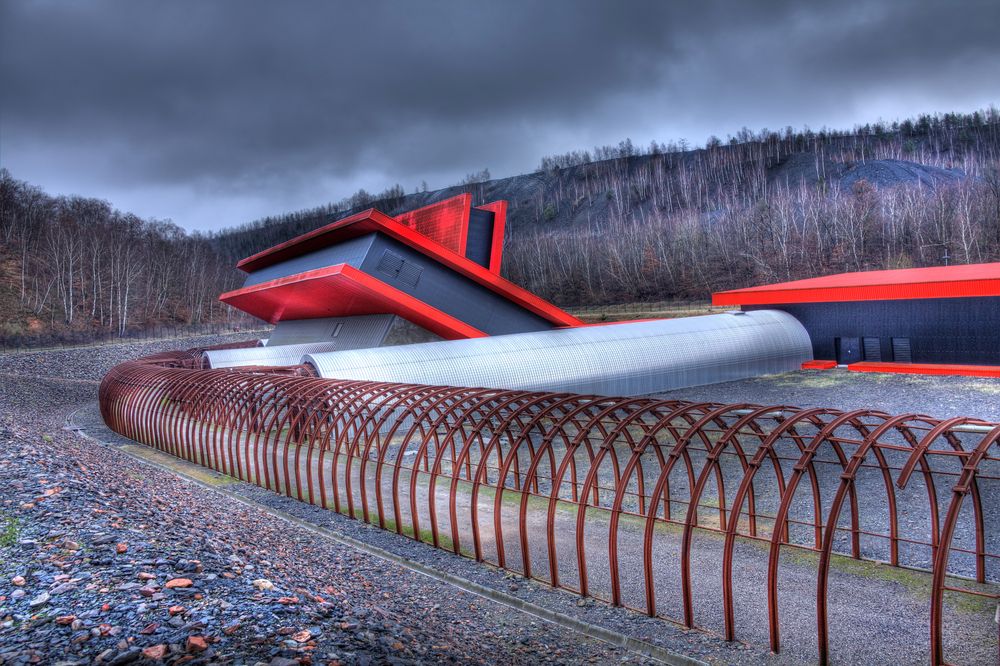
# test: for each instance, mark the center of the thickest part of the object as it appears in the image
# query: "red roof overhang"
(340, 291)
(371, 221)
(911, 283)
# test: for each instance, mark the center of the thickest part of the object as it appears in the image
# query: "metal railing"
(657, 505)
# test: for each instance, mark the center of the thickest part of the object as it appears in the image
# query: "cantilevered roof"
(308, 296)
(963, 281)
(366, 222)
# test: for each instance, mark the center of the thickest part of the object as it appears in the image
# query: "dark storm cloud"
(215, 112)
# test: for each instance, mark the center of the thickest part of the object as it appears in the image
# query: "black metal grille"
(901, 350)
(410, 273)
(872, 349)
(396, 267)
(391, 263)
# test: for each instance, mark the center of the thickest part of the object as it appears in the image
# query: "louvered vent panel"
(409, 273)
(390, 263)
(901, 350)
(872, 349)
(397, 268)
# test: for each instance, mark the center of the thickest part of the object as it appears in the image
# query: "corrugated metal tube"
(632, 358)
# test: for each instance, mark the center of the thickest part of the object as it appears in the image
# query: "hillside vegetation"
(616, 224)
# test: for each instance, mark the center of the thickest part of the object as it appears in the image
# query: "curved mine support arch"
(550, 472)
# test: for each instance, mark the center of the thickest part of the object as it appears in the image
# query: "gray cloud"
(216, 113)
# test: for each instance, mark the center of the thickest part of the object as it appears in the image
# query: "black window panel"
(410, 273)
(479, 241)
(390, 263)
(848, 350)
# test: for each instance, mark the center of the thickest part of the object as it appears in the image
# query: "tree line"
(762, 207)
(73, 264)
(612, 224)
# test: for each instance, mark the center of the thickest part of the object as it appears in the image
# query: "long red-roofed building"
(915, 316)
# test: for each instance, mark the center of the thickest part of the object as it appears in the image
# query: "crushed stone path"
(104, 559)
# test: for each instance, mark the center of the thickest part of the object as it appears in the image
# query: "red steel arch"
(345, 445)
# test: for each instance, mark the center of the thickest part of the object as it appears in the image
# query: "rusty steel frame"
(564, 449)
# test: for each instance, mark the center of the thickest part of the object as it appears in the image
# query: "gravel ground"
(660, 633)
(159, 518)
(105, 559)
(940, 397)
(92, 363)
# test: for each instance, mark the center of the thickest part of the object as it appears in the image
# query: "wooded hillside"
(616, 224)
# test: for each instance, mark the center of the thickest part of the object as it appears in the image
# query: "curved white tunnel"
(632, 358)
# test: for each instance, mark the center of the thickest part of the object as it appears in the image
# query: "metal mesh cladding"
(633, 358)
(657, 505)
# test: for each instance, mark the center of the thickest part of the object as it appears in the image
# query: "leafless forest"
(616, 224)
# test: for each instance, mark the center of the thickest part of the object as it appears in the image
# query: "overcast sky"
(216, 113)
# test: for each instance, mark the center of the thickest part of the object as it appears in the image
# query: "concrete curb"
(573, 624)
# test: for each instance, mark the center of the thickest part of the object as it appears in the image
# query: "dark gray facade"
(411, 272)
(446, 290)
(351, 252)
(931, 330)
(479, 241)
(355, 332)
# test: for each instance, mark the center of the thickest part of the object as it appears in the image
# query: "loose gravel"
(939, 397)
(73, 505)
(92, 363)
(104, 559)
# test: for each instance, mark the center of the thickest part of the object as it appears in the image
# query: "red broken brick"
(196, 644)
(155, 652)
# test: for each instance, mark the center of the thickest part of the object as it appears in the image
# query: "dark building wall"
(938, 330)
(351, 252)
(417, 275)
(480, 238)
(448, 291)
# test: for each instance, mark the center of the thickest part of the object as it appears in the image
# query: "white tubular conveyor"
(633, 358)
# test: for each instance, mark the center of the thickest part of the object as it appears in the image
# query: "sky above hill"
(216, 113)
